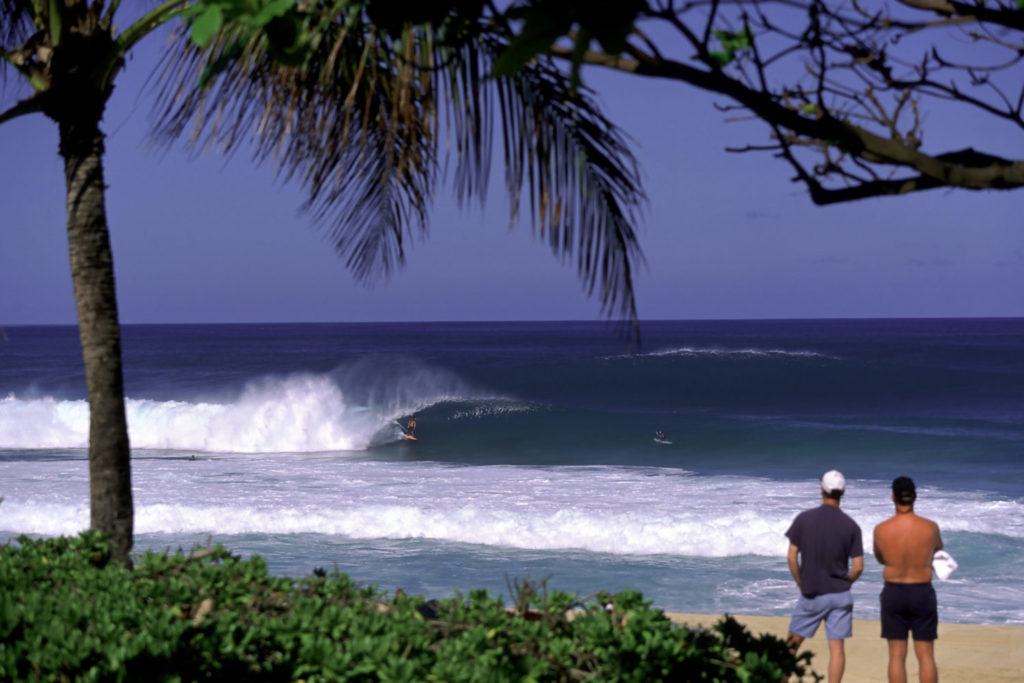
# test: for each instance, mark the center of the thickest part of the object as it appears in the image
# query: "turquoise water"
(536, 455)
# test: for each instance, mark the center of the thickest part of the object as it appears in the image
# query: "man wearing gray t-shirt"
(826, 555)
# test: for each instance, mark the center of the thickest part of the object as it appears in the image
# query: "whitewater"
(535, 455)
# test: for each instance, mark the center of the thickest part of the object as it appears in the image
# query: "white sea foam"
(615, 510)
(294, 414)
(299, 413)
(535, 529)
(43, 423)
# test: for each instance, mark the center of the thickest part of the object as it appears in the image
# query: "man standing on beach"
(906, 544)
(826, 555)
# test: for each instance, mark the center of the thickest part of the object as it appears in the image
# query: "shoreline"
(963, 652)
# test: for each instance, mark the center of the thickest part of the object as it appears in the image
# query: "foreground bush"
(67, 613)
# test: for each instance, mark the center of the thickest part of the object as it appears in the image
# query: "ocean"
(535, 457)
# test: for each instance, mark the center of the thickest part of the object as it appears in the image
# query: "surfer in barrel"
(410, 427)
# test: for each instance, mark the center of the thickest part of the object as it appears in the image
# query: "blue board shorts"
(909, 607)
(836, 609)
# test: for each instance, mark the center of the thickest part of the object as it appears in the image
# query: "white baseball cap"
(833, 480)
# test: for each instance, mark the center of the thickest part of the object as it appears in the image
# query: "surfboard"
(405, 433)
(664, 441)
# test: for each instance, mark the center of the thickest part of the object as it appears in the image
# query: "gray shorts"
(836, 609)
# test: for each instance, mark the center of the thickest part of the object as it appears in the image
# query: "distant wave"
(722, 351)
(294, 414)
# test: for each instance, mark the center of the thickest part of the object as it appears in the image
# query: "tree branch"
(1010, 18)
(969, 171)
(28, 106)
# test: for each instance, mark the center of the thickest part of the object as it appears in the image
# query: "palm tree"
(354, 116)
(69, 55)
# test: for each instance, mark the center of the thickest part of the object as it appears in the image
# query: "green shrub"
(68, 614)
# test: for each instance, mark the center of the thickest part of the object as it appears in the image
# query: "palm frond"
(581, 179)
(16, 27)
(358, 126)
(16, 23)
(359, 136)
(573, 164)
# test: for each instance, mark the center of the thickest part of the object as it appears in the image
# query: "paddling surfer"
(906, 543)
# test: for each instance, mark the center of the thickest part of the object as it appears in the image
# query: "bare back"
(905, 544)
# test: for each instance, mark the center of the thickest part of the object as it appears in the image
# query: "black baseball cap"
(903, 490)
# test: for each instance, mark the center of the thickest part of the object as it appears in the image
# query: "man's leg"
(807, 616)
(836, 660)
(897, 661)
(925, 651)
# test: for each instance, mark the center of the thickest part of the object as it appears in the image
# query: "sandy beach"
(964, 652)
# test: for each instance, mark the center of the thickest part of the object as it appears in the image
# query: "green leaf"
(721, 58)
(734, 40)
(731, 42)
(62, 617)
(206, 25)
(272, 10)
(579, 49)
(56, 28)
(285, 40)
(539, 32)
(191, 11)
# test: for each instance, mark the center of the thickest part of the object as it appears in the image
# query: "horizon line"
(617, 321)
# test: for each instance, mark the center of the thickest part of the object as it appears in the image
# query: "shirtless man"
(905, 544)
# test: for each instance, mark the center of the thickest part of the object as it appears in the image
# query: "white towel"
(943, 564)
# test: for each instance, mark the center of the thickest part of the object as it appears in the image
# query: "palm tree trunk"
(92, 272)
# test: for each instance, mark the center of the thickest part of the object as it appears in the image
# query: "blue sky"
(724, 235)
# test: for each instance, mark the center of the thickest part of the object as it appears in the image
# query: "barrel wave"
(535, 451)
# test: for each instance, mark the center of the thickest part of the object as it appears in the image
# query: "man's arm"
(877, 548)
(794, 563)
(857, 568)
